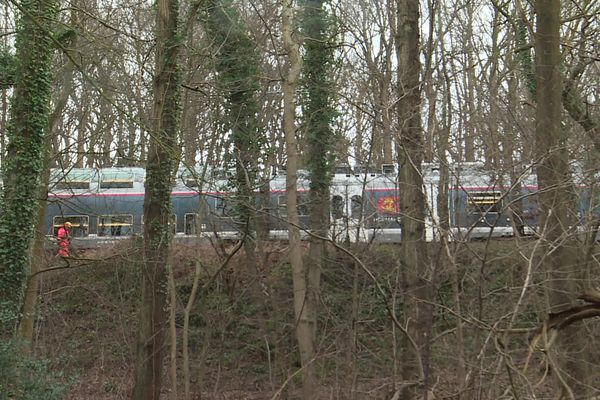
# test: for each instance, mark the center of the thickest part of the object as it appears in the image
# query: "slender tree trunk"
(318, 115)
(415, 282)
(160, 169)
(173, 335)
(556, 196)
(304, 333)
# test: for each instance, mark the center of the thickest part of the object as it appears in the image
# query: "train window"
(72, 185)
(80, 224)
(194, 224)
(530, 206)
(302, 205)
(356, 206)
(116, 180)
(222, 206)
(282, 204)
(74, 180)
(337, 207)
(115, 225)
(485, 201)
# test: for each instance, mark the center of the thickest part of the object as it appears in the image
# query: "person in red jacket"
(64, 238)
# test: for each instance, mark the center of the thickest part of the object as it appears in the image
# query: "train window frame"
(110, 225)
(193, 230)
(337, 204)
(356, 207)
(117, 180)
(282, 205)
(481, 201)
(74, 180)
(301, 205)
(222, 206)
(76, 225)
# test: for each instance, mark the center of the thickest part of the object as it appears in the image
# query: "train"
(106, 205)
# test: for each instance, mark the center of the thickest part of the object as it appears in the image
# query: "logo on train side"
(388, 204)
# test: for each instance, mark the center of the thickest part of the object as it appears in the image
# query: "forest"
(280, 101)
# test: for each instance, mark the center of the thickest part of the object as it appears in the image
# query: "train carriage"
(107, 204)
(100, 204)
(203, 201)
(478, 203)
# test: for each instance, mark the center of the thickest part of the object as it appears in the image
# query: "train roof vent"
(388, 169)
(74, 180)
(116, 180)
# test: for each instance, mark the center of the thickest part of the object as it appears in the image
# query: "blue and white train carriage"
(100, 204)
(366, 205)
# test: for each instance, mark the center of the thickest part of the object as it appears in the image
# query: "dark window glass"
(356, 206)
(337, 207)
(79, 224)
(115, 225)
(485, 201)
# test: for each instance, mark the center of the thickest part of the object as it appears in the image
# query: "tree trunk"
(160, 168)
(318, 115)
(25, 153)
(26, 323)
(415, 283)
(304, 334)
(556, 196)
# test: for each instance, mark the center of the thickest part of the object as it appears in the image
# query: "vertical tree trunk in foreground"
(318, 115)
(300, 284)
(237, 68)
(23, 163)
(410, 153)
(26, 324)
(556, 196)
(160, 169)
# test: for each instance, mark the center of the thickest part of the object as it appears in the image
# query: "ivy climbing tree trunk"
(160, 168)
(318, 114)
(238, 66)
(415, 266)
(26, 323)
(61, 98)
(24, 159)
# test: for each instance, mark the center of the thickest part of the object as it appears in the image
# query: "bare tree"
(559, 254)
(160, 170)
(415, 266)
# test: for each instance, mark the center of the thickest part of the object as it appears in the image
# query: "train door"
(346, 208)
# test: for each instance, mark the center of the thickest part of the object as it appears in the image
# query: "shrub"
(25, 378)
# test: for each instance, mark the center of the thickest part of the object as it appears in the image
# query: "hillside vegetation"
(241, 334)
